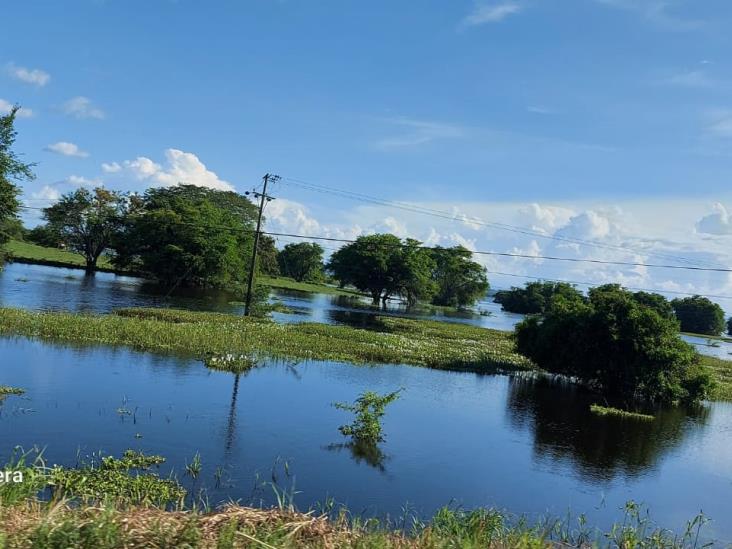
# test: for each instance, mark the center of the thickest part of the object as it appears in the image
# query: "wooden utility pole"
(263, 198)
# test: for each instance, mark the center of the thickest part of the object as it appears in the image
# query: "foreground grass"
(617, 412)
(203, 335)
(107, 505)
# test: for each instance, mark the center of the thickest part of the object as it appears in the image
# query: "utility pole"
(263, 198)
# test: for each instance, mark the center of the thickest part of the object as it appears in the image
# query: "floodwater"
(527, 445)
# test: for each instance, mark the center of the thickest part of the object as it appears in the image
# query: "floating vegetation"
(6, 390)
(433, 344)
(617, 412)
(132, 459)
(231, 362)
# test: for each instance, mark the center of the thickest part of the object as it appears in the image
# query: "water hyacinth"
(231, 362)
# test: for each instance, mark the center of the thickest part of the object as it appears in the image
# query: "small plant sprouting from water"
(369, 408)
(193, 469)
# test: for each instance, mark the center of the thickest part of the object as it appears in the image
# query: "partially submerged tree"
(535, 296)
(11, 169)
(385, 267)
(86, 221)
(699, 315)
(302, 261)
(369, 408)
(187, 235)
(615, 344)
(460, 281)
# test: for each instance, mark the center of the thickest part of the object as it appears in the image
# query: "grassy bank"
(202, 335)
(25, 252)
(121, 503)
(290, 284)
(722, 373)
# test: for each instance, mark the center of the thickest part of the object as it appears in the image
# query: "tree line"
(694, 314)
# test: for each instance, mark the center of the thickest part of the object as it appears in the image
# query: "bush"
(699, 315)
(617, 345)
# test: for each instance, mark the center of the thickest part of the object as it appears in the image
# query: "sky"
(602, 129)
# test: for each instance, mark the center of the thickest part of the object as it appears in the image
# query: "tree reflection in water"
(599, 448)
(370, 454)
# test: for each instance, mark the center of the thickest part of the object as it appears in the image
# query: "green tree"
(189, 236)
(460, 281)
(729, 325)
(86, 221)
(267, 256)
(657, 302)
(535, 296)
(11, 169)
(384, 266)
(699, 315)
(302, 261)
(615, 344)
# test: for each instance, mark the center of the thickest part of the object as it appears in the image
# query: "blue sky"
(608, 120)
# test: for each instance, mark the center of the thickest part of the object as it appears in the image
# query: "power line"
(477, 252)
(472, 220)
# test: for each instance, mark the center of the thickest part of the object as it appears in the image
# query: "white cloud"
(67, 149)
(7, 106)
(81, 181)
(720, 124)
(111, 167)
(491, 13)
(691, 79)
(180, 168)
(588, 225)
(37, 77)
(82, 107)
(717, 223)
(418, 132)
(47, 192)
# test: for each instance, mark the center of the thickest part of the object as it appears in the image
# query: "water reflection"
(370, 454)
(600, 448)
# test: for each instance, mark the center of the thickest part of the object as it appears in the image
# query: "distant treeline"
(696, 314)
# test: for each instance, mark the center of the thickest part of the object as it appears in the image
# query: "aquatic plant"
(617, 412)
(231, 362)
(6, 390)
(193, 469)
(369, 408)
(132, 459)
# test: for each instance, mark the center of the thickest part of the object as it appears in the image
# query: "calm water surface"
(526, 445)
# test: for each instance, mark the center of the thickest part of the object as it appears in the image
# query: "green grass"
(25, 252)
(311, 287)
(617, 412)
(722, 374)
(201, 335)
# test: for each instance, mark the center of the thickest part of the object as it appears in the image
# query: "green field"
(25, 252)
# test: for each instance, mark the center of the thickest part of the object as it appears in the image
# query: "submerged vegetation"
(392, 340)
(617, 412)
(6, 390)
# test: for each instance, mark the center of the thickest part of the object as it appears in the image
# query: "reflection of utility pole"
(262, 198)
(231, 424)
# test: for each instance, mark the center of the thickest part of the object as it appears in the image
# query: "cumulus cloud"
(7, 106)
(81, 181)
(588, 225)
(717, 223)
(180, 168)
(66, 149)
(82, 107)
(47, 192)
(111, 167)
(543, 219)
(491, 13)
(37, 77)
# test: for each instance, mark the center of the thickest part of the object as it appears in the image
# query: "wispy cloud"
(82, 107)
(691, 79)
(418, 132)
(658, 12)
(7, 106)
(37, 77)
(491, 13)
(66, 149)
(720, 123)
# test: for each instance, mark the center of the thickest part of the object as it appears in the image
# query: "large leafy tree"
(190, 236)
(699, 315)
(460, 281)
(535, 296)
(302, 261)
(86, 221)
(384, 266)
(615, 344)
(12, 169)
(267, 256)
